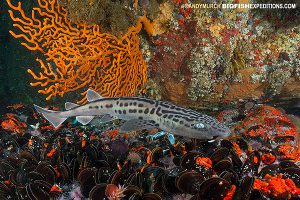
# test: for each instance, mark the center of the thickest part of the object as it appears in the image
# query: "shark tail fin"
(51, 115)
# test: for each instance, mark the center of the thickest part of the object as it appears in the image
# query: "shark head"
(208, 128)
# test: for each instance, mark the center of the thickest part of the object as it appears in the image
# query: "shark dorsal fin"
(92, 95)
(70, 105)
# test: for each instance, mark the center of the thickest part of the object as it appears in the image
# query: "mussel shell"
(92, 152)
(28, 156)
(257, 195)
(189, 145)
(231, 176)
(5, 168)
(74, 167)
(103, 174)
(283, 138)
(151, 196)
(153, 171)
(65, 173)
(227, 144)
(38, 190)
(189, 182)
(252, 163)
(110, 158)
(21, 192)
(135, 196)
(214, 188)
(4, 188)
(242, 144)
(48, 172)
(287, 164)
(98, 192)
(219, 154)
(176, 160)
(135, 179)
(222, 165)
(236, 161)
(28, 166)
(269, 169)
(87, 180)
(156, 155)
(169, 180)
(188, 160)
(292, 173)
(196, 197)
(54, 194)
(33, 176)
(131, 190)
(245, 188)
(19, 177)
(100, 163)
(155, 174)
(118, 178)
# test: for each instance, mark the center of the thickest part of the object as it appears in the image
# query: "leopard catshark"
(140, 113)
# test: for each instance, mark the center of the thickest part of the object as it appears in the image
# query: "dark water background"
(15, 59)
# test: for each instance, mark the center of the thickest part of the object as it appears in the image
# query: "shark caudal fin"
(51, 115)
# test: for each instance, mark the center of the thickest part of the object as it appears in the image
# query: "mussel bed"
(94, 162)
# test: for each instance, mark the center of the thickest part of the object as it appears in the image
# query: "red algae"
(290, 152)
(237, 149)
(277, 186)
(268, 158)
(51, 153)
(13, 124)
(204, 161)
(230, 193)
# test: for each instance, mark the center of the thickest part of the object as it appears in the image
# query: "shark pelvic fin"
(51, 115)
(84, 120)
(92, 95)
(106, 118)
(70, 105)
(136, 124)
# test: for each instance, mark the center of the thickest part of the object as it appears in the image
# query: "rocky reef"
(210, 56)
(114, 17)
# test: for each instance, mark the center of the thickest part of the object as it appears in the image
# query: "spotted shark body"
(140, 113)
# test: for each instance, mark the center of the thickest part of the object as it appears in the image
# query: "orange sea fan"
(79, 56)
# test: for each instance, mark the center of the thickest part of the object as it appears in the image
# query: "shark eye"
(199, 126)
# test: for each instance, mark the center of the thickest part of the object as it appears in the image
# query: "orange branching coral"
(277, 186)
(79, 56)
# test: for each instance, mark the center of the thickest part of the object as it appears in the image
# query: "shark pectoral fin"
(70, 105)
(84, 120)
(92, 95)
(136, 124)
(106, 118)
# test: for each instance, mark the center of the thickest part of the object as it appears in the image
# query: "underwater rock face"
(114, 17)
(212, 56)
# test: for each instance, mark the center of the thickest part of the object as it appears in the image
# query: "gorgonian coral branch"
(79, 56)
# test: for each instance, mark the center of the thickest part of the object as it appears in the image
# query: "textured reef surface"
(162, 49)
